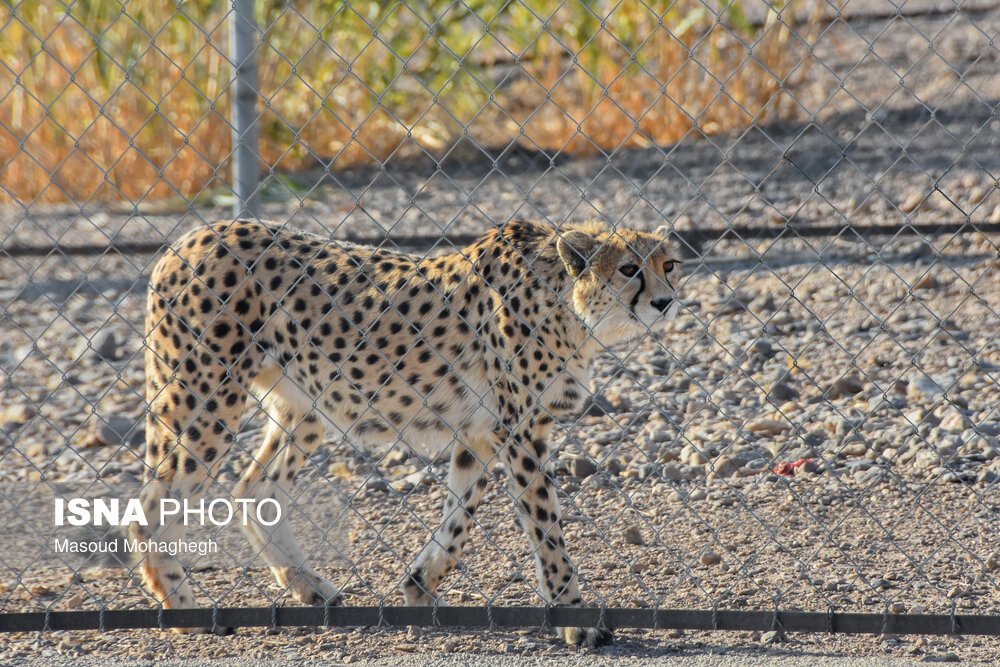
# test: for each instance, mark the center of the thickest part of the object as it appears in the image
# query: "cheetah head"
(623, 281)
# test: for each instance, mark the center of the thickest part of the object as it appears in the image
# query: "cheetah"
(480, 350)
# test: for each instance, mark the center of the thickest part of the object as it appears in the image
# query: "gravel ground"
(877, 371)
(679, 657)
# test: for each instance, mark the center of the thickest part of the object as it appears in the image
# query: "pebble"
(912, 202)
(921, 387)
(692, 456)
(959, 592)
(581, 466)
(598, 406)
(16, 415)
(698, 494)
(763, 304)
(113, 431)
(633, 535)
(767, 427)
(760, 347)
(709, 557)
(725, 466)
(415, 479)
(942, 657)
(672, 472)
(781, 391)
(993, 562)
(102, 346)
(928, 281)
(376, 484)
(848, 385)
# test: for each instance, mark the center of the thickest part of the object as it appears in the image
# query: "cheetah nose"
(662, 304)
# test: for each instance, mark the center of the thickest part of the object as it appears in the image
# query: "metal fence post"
(242, 39)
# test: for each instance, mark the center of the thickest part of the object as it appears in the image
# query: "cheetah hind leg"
(161, 574)
(291, 436)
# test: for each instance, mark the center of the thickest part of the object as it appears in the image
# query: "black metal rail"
(504, 617)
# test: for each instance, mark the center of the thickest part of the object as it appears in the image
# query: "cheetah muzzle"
(480, 350)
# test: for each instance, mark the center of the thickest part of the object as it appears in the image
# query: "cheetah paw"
(588, 637)
(313, 591)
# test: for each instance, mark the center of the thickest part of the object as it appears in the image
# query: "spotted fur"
(480, 350)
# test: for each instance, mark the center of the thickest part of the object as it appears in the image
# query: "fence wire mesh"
(816, 431)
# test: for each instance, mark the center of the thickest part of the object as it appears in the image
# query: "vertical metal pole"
(246, 174)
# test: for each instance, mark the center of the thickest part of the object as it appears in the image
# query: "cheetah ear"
(575, 249)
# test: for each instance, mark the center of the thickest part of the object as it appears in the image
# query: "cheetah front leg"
(534, 493)
(466, 483)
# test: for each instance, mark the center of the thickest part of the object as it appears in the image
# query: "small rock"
(767, 427)
(735, 304)
(807, 467)
(646, 470)
(103, 346)
(781, 392)
(75, 602)
(958, 592)
(632, 535)
(762, 304)
(848, 385)
(37, 452)
(598, 406)
(770, 637)
(912, 202)
(660, 436)
(854, 448)
(114, 431)
(927, 282)
(692, 456)
(396, 457)
(760, 347)
(581, 466)
(376, 484)
(725, 466)
(671, 472)
(414, 480)
(942, 657)
(921, 386)
(954, 420)
(16, 415)
(897, 608)
(709, 557)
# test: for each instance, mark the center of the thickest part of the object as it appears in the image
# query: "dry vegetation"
(101, 102)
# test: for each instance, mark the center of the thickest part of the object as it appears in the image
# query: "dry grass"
(97, 103)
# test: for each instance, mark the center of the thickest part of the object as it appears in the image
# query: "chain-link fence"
(811, 444)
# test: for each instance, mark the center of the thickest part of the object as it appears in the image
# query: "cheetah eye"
(629, 269)
(668, 266)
